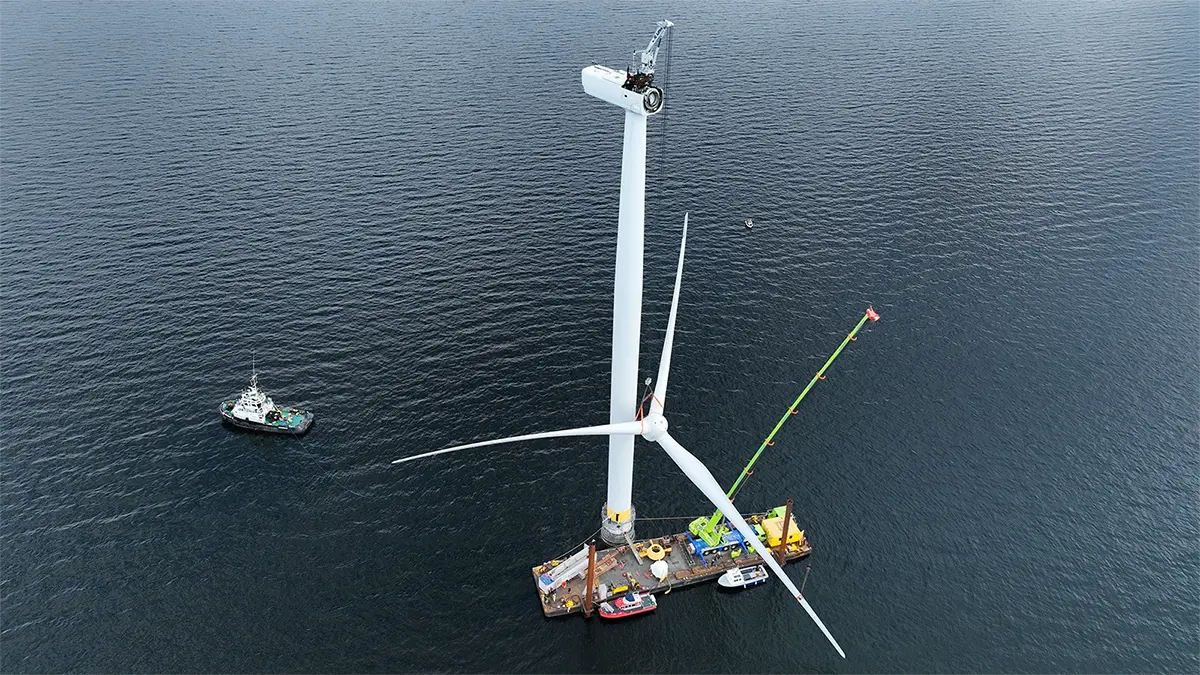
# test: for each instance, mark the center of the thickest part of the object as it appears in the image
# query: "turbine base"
(614, 532)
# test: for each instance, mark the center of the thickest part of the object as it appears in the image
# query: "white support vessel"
(741, 577)
(256, 411)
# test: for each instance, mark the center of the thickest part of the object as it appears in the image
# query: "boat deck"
(622, 566)
(292, 420)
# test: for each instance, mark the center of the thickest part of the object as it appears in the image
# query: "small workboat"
(630, 604)
(749, 224)
(743, 577)
(256, 411)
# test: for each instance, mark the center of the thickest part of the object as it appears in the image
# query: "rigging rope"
(641, 518)
(328, 473)
(574, 549)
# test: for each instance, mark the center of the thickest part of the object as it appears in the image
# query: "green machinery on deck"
(712, 530)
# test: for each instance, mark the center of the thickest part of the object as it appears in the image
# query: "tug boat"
(256, 411)
(743, 577)
(631, 604)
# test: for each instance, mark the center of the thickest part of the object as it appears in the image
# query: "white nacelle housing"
(605, 84)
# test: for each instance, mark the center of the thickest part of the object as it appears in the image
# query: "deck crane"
(712, 531)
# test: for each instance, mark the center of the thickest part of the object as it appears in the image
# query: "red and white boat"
(630, 604)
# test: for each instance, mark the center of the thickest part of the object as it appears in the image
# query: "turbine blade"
(632, 428)
(664, 363)
(700, 475)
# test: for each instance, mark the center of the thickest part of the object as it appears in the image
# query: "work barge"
(627, 567)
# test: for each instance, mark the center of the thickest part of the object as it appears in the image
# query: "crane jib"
(869, 315)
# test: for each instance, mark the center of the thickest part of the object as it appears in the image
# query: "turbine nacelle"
(608, 85)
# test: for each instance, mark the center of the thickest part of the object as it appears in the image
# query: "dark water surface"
(405, 212)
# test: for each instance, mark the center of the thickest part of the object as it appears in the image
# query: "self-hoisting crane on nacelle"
(641, 73)
(632, 90)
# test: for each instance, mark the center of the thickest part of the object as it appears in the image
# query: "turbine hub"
(655, 426)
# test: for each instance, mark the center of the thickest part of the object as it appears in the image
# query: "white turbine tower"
(654, 429)
(633, 92)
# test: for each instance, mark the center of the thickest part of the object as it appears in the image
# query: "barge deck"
(624, 567)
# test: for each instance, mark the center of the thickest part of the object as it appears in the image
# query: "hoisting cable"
(666, 84)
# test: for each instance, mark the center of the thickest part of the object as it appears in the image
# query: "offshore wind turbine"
(633, 91)
(653, 428)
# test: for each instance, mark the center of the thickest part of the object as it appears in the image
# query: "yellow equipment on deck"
(774, 528)
(655, 551)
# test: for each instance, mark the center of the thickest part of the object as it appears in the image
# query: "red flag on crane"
(872, 314)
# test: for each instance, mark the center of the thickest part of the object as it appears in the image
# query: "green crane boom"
(707, 528)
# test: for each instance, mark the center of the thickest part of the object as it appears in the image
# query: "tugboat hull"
(297, 427)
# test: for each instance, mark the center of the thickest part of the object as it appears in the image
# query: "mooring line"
(327, 472)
